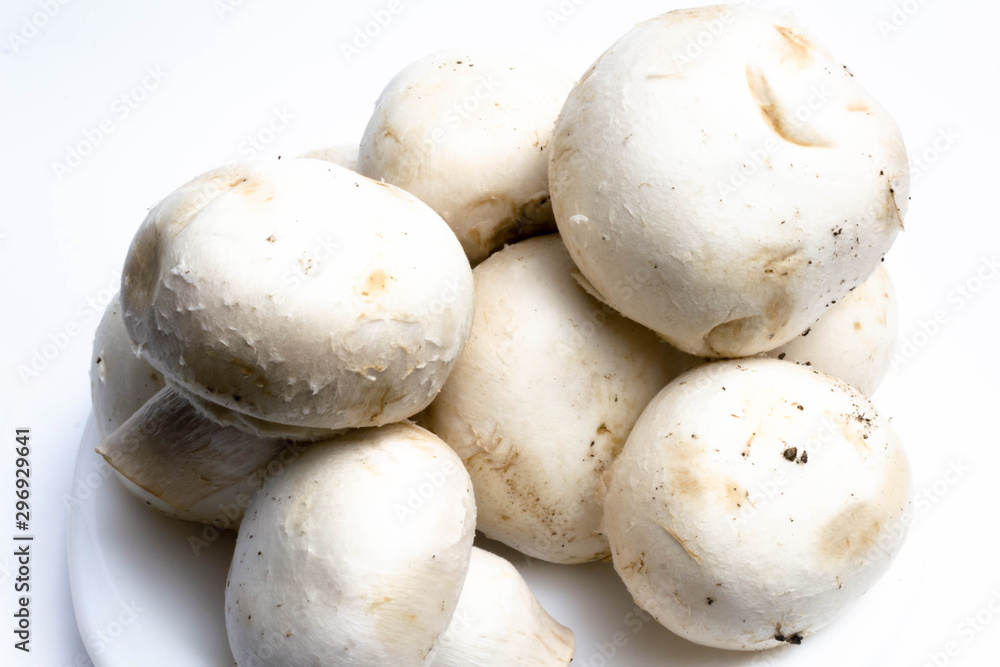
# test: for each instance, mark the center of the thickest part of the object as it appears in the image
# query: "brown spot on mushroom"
(375, 283)
(857, 326)
(857, 106)
(790, 453)
(784, 125)
(849, 536)
(797, 46)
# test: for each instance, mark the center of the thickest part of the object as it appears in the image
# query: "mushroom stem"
(499, 621)
(172, 450)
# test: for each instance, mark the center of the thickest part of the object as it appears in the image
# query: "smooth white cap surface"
(855, 339)
(468, 131)
(725, 200)
(336, 563)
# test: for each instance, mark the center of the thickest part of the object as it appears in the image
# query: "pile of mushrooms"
(302, 347)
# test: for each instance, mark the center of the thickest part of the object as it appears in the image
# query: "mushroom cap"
(121, 381)
(299, 293)
(754, 500)
(356, 552)
(542, 399)
(855, 339)
(499, 621)
(468, 132)
(726, 198)
(122, 384)
(346, 155)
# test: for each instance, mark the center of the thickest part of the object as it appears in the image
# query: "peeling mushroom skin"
(298, 293)
(354, 554)
(499, 622)
(725, 201)
(121, 381)
(754, 500)
(468, 132)
(853, 340)
(542, 399)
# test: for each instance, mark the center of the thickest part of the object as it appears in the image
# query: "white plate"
(142, 596)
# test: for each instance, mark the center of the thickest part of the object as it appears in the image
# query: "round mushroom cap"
(725, 200)
(468, 132)
(346, 155)
(542, 399)
(855, 339)
(121, 381)
(355, 553)
(754, 500)
(299, 293)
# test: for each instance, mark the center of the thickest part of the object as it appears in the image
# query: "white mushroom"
(542, 399)
(120, 380)
(182, 464)
(294, 297)
(498, 621)
(468, 132)
(346, 155)
(855, 339)
(754, 500)
(725, 200)
(336, 564)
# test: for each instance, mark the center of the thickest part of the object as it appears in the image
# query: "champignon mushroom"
(120, 380)
(725, 200)
(336, 562)
(468, 132)
(499, 621)
(346, 155)
(542, 399)
(754, 500)
(295, 297)
(854, 339)
(181, 463)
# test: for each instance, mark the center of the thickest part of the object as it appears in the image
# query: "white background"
(225, 70)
